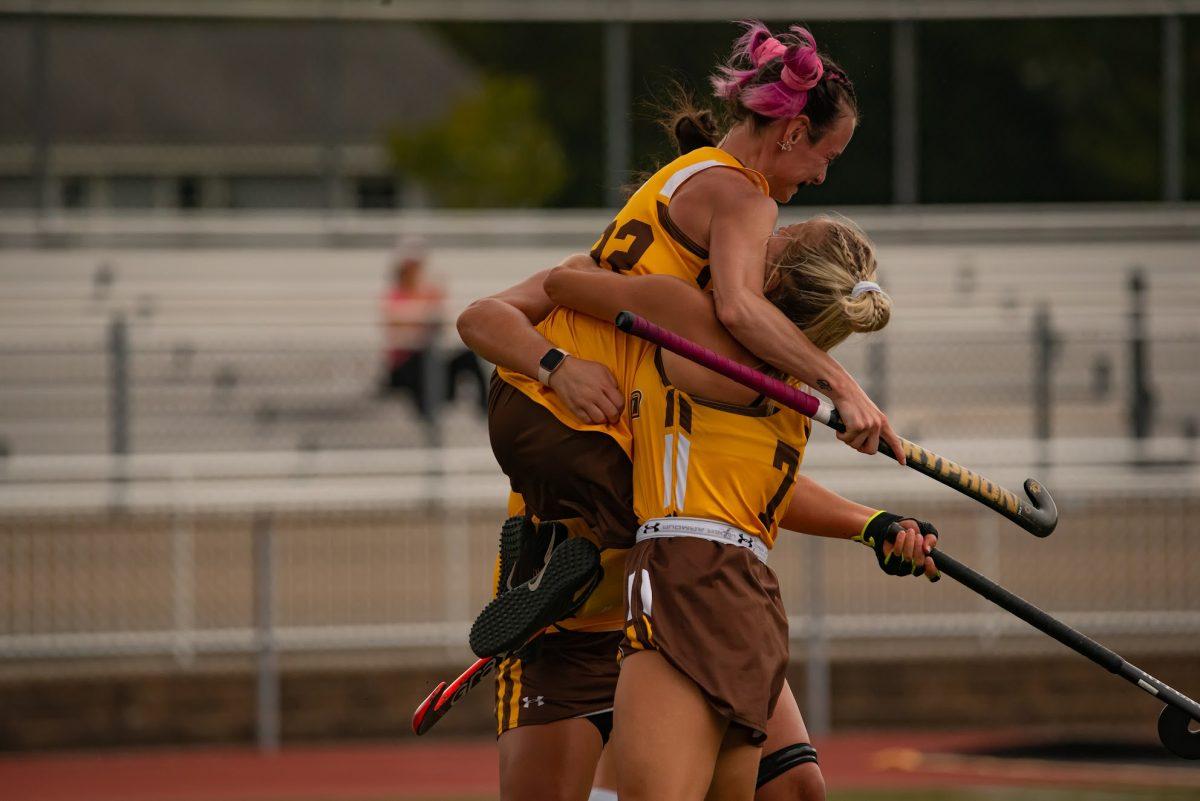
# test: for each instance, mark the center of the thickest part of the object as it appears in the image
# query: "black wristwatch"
(549, 363)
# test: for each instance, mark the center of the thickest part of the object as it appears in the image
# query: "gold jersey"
(643, 239)
(587, 338)
(692, 457)
(700, 458)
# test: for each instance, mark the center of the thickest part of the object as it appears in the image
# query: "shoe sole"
(513, 535)
(511, 619)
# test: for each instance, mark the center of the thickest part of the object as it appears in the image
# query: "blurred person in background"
(413, 308)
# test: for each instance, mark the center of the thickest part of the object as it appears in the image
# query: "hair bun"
(802, 67)
(694, 129)
(868, 312)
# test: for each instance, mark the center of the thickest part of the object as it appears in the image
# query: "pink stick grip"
(776, 390)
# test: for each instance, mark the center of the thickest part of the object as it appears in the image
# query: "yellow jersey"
(693, 457)
(643, 239)
(700, 458)
(587, 338)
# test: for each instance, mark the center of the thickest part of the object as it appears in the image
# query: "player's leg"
(604, 785)
(666, 735)
(562, 474)
(554, 712)
(788, 769)
(553, 761)
(736, 768)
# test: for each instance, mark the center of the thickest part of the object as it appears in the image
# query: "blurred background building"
(214, 526)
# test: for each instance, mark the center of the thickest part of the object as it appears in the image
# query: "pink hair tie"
(771, 48)
(794, 81)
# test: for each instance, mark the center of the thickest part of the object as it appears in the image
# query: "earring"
(785, 145)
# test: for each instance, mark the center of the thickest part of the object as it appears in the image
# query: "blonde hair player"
(821, 275)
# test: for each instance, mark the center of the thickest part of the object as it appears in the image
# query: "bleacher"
(254, 349)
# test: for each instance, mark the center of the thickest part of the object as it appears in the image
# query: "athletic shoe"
(515, 532)
(572, 571)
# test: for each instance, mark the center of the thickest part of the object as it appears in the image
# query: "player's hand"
(865, 424)
(589, 390)
(901, 544)
(912, 544)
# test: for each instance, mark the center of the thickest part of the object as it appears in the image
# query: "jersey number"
(786, 458)
(627, 259)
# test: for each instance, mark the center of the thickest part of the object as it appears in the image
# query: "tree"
(493, 149)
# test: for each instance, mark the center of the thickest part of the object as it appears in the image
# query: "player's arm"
(742, 219)
(579, 284)
(500, 328)
(821, 512)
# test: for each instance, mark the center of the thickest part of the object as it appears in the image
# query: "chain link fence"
(192, 580)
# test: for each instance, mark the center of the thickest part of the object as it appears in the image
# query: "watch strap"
(544, 373)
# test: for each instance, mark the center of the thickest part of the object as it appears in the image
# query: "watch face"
(551, 360)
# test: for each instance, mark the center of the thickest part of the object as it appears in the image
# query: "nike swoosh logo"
(536, 581)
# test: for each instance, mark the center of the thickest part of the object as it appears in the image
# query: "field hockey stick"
(1038, 516)
(444, 697)
(1176, 716)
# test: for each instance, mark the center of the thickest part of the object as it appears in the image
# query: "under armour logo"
(527, 701)
(652, 527)
(745, 540)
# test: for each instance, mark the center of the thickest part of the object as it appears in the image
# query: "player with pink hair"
(704, 218)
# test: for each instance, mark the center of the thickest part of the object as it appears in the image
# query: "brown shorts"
(569, 674)
(562, 473)
(713, 611)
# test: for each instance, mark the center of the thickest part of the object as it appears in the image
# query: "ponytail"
(693, 129)
(689, 125)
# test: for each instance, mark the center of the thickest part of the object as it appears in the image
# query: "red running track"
(442, 768)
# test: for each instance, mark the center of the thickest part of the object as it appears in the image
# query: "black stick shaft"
(1074, 639)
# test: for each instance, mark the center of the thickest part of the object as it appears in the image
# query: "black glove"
(883, 528)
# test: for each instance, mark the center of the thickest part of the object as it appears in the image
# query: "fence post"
(118, 385)
(1174, 106)
(817, 691)
(906, 170)
(183, 580)
(989, 565)
(433, 384)
(267, 714)
(1141, 398)
(43, 121)
(616, 111)
(1045, 344)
